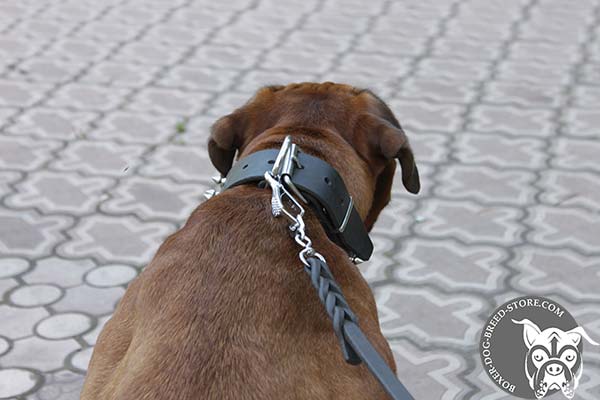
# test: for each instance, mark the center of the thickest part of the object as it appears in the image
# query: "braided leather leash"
(335, 304)
(355, 346)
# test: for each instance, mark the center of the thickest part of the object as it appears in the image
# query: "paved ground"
(501, 100)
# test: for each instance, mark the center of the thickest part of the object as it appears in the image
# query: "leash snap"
(279, 194)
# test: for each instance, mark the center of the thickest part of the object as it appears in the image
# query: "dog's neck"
(330, 147)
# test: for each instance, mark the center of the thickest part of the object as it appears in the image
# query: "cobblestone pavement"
(501, 101)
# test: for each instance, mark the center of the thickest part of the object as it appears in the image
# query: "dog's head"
(553, 360)
(350, 128)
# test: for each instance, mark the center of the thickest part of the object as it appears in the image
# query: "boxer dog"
(553, 360)
(224, 310)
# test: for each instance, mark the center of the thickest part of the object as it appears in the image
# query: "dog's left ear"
(225, 139)
(382, 140)
(576, 334)
(390, 142)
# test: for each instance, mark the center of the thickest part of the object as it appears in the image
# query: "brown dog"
(224, 310)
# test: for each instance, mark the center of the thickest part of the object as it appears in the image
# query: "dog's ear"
(386, 141)
(577, 333)
(390, 142)
(530, 331)
(225, 139)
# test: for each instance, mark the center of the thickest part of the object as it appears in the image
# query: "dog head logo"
(553, 360)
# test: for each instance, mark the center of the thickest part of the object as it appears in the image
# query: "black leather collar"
(325, 191)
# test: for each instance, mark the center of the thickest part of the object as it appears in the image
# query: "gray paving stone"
(47, 71)
(60, 271)
(586, 96)
(543, 52)
(470, 222)
(424, 116)
(35, 295)
(6, 285)
(486, 185)
(63, 326)
(183, 163)
(316, 41)
(168, 101)
(111, 275)
(557, 271)
(589, 73)
(147, 53)
(124, 239)
(532, 71)
(525, 95)
(61, 385)
(15, 381)
(13, 47)
(466, 49)
(134, 128)
(154, 198)
(565, 227)
(175, 35)
(25, 154)
(580, 189)
(99, 158)
(430, 147)
(456, 321)
(84, 299)
(88, 97)
(121, 75)
(81, 359)
(6, 179)
(4, 346)
(223, 56)
(19, 322)
(39, 354)
(53, 123)
(27, 232)
(12, 266)
(513, 121)
(198, 78)
(463, 267)
(438, 90)
(78, 50)
(584, 122)
(429, 373)
(20, 94)
(499, 151)
(300, 61)
(60, 192)
(453, 69)
(258, 78)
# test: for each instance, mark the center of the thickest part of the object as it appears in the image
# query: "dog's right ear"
(530, 331)
(225, 140)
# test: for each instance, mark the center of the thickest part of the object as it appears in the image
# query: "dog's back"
(224, 311)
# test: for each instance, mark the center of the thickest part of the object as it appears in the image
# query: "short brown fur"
(224, 310)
